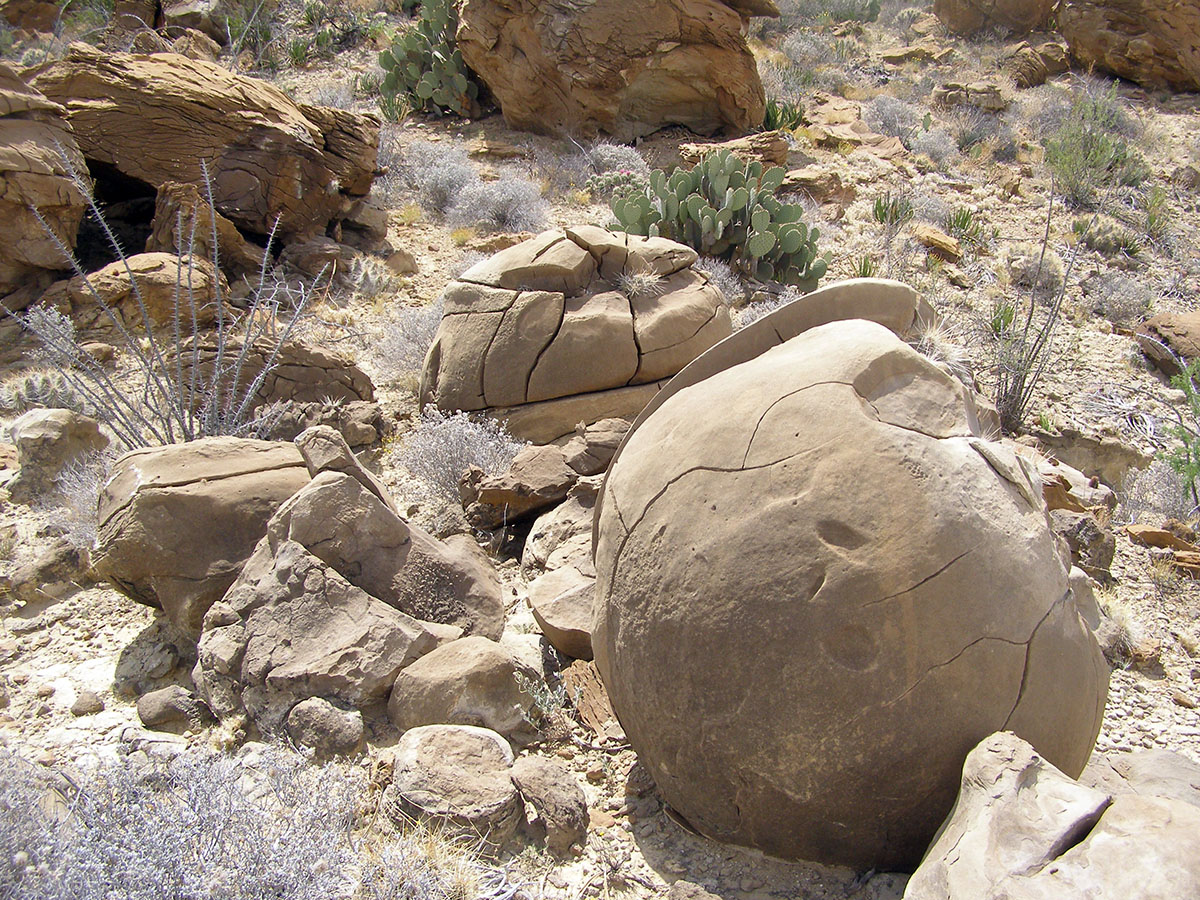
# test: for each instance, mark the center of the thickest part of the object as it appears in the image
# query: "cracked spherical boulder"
(819, 588)
(572, 325)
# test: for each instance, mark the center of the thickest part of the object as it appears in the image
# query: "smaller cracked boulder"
(46, 441)
(326, 729)
(472, 681)
(538, 479)
(558, 799)
(561, 601)
(325, 450)
(173, 708)
(459, 776)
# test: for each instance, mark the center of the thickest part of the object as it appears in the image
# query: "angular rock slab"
(543, 320)
(348, 527)
(825, 520)
(457, 775)
(562, 67)
(38, 154)
(290, 629)
(177, 523)
(156, 117)
(1022, 830)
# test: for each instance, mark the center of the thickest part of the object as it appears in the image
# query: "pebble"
(88, 703)
(595, 774)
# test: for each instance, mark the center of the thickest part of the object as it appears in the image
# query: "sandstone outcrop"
(159, 117)
(609, 66)
(176, 523)
(156, 280)
(1153, 42)
(969, 16)
(812, 535)
(38, 153)
(543, 324)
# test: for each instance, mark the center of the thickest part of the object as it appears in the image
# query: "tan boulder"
(546, 320)
(798, 520)
(38, 153)
(157, 117)
(345, 525)
(1022, 830)
(471, 681)
(156, 279)
(970, 16)
(538, 478)
(561, 601)
(1153, 42)
(1169, 337)
(31, 15)
(459, 777)
(177, 523)
(1030, 66)
(291, 628)
(608, 66)
(295, 371)
(767, 147)
(560, 803)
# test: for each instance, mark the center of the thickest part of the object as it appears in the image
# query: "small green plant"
(726, 208)
(39, 389)
(1088, 155)
(639, 284)
(892, 212)
(297, 51)
(425, 67)
(550, 707)
(1185, 459)
(782, 114)
(864, 268)
(609, 184)
(1157, 207)
(963, 224)
(393, 107)
(1004, 314)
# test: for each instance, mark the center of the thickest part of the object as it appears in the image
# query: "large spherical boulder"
(818, 588)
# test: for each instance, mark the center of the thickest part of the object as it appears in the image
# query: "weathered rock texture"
(33, 171)
(47, 440)
(614, 66)
(156, 280)
(818, 588)
(158, 117)
(291, 628)
(458, 776)
(1170, 337)
(970, 16)
(1153, 42)
(346, 526)
(544, 320)
(183, 225)
(177, 523)
(1022, 830)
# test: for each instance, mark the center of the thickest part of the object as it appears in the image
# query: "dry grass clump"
(1029, 267)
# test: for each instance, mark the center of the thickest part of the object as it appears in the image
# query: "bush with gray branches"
(271, 826)
(169, 396)
(443, 447)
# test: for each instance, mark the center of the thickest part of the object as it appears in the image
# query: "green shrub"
(1088, 154)
(1107, 236)
(425, 67)
(782, 114)
(728, 209)
(1185, 459)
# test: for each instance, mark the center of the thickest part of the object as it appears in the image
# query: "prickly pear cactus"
(425, 67)
(726, 208)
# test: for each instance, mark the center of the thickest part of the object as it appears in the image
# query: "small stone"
(45, 690)
(330, 731)
(1182, 699)
(595, 775)
(47, 758)
(88, 703)
(558, 799)
(172, 708)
